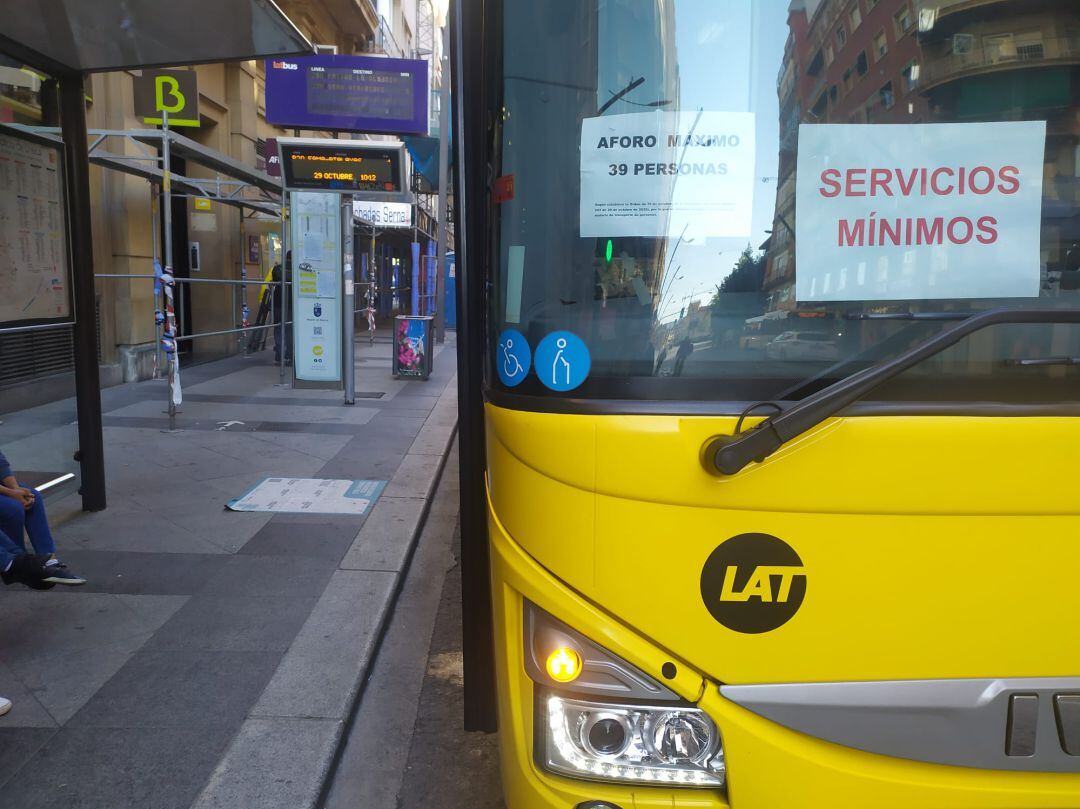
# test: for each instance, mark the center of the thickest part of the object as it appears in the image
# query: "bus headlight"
(604, 741)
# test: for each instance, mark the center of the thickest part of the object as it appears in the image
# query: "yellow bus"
(844, 576)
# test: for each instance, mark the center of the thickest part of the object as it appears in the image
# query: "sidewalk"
(213, 656)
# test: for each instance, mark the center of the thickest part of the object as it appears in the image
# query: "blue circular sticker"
(562, 361)
(512, 358)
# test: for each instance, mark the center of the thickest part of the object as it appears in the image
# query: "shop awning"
(63, 36)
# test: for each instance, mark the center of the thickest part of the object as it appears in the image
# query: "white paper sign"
(666, 174)
(919, 211)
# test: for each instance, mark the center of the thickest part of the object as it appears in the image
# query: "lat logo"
(279, 65)
(760, 584)
(753, 583)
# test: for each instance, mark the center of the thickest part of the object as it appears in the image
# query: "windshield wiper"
(1043, 362)
(728, 455)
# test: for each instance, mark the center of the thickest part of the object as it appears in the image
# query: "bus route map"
(34, 277)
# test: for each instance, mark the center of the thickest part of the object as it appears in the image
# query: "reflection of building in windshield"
(845, 62)
(1014, 60)
(913, 61)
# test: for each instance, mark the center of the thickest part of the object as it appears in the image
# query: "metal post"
(166, 191)
(471, 21)
(157, 298)
(348, 331)
(444, 171)
(91, 452)
(286, 303)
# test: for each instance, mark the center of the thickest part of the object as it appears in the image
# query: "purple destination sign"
(348, 93)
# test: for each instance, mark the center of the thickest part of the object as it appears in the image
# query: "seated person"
(22, 510)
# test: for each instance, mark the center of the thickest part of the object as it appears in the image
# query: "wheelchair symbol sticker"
(562, 361)
(512, 358)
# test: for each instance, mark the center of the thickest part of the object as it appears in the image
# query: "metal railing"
(990, 51)
(385, 40)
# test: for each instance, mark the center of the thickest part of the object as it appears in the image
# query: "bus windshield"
(750, 200)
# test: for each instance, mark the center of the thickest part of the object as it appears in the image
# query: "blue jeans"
(15, 520)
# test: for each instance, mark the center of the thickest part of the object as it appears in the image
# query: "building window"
(849, 80)
(871, 5)
(881, 45)
(886, 95)
(856, 17)
(830, 55)
(841, 37)
(833, 94)
(862, 64)
(911, 76)
(902, 21)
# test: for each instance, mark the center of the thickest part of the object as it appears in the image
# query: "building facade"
(233, 242)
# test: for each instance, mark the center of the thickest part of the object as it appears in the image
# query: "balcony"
(967, 54)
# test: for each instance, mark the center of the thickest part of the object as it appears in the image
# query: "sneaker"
(5, 705)
(27, 569)
(59, 573)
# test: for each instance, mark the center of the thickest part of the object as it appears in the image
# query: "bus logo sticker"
(562, 361)
(753, 583)
(512, 358)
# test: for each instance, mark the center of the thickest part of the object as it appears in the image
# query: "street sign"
(384, 214)
(348, 93)
(173, 91)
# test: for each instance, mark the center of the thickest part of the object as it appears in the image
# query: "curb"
(289, 746)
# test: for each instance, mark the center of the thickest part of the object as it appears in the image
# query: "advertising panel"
(666, 174)
(919, 211)
(316, 251)
(35, 276)
(348, 93)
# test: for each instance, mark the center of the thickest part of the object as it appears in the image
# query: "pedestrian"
(22, 512)
(686, 348)
(283, 331)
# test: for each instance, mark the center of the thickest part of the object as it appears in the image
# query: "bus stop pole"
(91, 453)
(166, 189)
(444, 166)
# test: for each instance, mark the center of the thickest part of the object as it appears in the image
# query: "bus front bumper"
(768, 766)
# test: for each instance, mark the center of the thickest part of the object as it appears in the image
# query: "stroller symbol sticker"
(512, 358)
(562, 361)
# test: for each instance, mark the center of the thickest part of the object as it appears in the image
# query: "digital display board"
(348, 93)
(344, 169)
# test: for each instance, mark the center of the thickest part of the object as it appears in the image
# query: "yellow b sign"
(175, 92)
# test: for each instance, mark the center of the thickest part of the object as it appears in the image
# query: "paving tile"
(118, 768)
(320, 673)
(433, 439)
(17, 746)
(298, 753)
(26, 711)
(169, 689)
(63, 650)
(383, 542)
(245, 575)
(224, 623)
(415, 477)
(326, 540)
(139, 573)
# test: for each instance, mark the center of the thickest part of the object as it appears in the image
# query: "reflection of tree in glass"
(748, 275)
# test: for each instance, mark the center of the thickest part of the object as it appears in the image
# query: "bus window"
(694, 179)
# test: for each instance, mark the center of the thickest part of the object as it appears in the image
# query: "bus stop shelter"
(69, 39)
